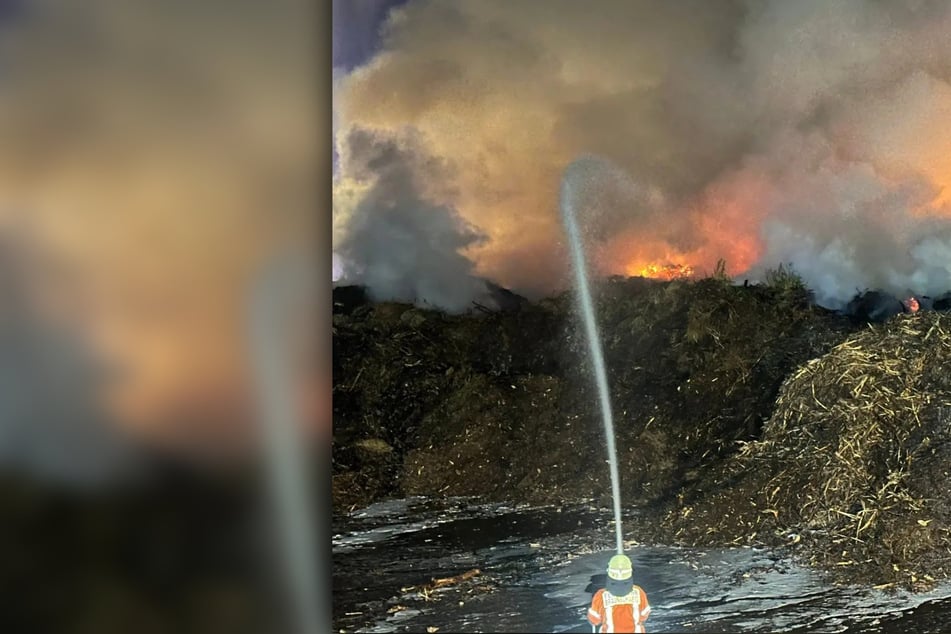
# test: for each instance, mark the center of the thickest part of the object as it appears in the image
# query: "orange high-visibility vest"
(619, 614)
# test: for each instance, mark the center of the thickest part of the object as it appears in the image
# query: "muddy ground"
(501, 405)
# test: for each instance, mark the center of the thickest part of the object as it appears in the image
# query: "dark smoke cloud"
(761, 132)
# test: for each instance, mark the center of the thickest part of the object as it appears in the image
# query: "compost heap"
(744, 415)
(853, 465)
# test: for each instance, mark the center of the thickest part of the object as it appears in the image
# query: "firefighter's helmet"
(619, 568)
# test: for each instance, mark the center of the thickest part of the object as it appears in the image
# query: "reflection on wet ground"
(535, 565)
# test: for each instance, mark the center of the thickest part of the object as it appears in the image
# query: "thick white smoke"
(53, 420)
(766, 132)
(845, 229)
(399, 244)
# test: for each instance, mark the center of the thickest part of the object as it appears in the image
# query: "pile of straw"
(849, 452)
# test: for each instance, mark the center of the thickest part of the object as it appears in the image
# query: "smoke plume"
(166, 149)
(763, 133)
(53, 419)
(398, 243)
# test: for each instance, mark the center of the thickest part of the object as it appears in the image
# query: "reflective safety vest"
(619, 614)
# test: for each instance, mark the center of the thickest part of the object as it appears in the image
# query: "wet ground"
(536, 566)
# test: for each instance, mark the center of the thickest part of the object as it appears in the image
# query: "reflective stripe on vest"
(632, 598)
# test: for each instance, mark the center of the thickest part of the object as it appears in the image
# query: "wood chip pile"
(857, 453)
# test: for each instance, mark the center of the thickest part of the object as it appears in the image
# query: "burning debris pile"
(874, 307)
(744, 415)
(879, 306)
(853, 463)
(694, 367)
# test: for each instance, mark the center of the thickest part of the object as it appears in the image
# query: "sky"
(158, 155)
(356, 30)
(761, 133)
(356, 36)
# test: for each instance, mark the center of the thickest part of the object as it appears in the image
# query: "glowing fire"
(668, 271)
(725, 222)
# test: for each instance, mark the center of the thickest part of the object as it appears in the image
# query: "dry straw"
(840, 451)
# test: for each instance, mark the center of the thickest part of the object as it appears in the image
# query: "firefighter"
(621, 606)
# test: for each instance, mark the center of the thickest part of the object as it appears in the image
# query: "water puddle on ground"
(535, 564)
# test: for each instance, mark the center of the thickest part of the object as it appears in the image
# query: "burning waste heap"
(879, 306)
(814, 165)
(745, 414)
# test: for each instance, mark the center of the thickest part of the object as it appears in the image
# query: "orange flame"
(657, 271)
(725, 222)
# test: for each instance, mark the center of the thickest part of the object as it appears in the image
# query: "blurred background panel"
(154, 158)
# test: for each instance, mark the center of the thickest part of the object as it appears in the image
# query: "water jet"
(569, 218)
